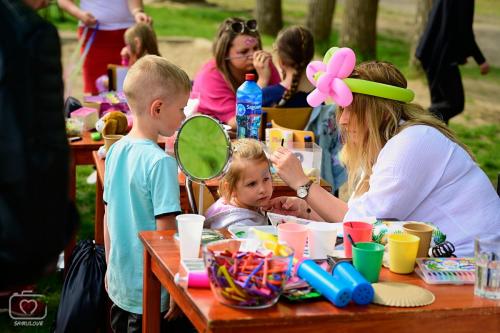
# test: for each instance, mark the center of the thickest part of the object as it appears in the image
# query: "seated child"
(141, 189)
(140, 39)
(245, 188)
(295, 49)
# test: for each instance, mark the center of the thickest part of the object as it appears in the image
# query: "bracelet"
(137, 10)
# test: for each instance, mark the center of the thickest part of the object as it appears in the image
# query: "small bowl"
(246, 279)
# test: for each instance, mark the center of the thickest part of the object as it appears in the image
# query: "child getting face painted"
(244, 189)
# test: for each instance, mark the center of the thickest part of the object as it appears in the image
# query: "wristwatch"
(303, 190)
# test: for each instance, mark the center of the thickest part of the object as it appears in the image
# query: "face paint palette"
(446, 270)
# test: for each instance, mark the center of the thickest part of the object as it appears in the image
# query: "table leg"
(99, 213)
(150, 298)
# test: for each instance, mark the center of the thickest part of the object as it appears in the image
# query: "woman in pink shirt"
(237, 51)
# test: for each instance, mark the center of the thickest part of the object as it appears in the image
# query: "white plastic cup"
(190, 227)
(321, 239)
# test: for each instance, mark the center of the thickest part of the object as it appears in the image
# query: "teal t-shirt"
(140, 183)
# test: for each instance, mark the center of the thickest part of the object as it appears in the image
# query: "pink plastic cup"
(359, 231)
(295, 236)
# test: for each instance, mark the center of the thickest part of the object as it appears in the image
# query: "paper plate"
(401, 294)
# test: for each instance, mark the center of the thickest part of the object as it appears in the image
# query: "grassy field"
(202, 21)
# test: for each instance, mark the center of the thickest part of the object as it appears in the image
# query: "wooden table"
(456, 309)
(280, 189)
(80, 154)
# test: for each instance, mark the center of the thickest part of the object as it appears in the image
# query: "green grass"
(484, 141)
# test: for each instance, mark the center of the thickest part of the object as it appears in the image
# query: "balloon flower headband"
(331, 78)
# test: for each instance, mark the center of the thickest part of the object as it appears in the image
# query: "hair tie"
(331, 79)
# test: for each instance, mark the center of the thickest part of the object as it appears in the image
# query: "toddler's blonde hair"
(244, 150)
(153, 77)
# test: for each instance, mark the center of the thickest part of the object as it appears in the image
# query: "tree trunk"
(319, 18)
(268, 15)
(421, 17)
(359, 28)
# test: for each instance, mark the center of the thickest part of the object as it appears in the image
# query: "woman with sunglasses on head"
(402, 163)
(237, 50)
(295, 49)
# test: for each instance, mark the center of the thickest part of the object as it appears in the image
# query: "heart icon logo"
(28, 306)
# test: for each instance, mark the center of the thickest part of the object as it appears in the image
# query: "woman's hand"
(141, 17)
(88, 19)
(289, 168)
(287, 206)
(261, 61)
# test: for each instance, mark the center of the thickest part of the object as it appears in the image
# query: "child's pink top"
(217, 99)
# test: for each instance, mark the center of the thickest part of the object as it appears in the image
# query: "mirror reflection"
(202, 148)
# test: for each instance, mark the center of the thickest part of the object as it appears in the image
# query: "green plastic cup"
(367, 259)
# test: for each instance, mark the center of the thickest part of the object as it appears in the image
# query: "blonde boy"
(141, 189)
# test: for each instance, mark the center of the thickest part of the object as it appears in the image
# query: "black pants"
(447, 93)
(126, 322)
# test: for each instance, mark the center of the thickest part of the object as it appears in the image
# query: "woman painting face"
(241, 52)
(347, 122)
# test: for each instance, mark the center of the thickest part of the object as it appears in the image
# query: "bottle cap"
(249, 77)
(308, 138)
(269, 125)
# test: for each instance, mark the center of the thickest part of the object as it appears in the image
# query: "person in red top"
(237, 50)
(113, 17)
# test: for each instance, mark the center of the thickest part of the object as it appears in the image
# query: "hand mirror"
(202, 149)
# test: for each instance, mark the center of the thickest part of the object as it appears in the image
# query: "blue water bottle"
(248, 108)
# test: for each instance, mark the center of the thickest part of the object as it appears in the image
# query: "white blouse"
(421, 175)
(111, 14)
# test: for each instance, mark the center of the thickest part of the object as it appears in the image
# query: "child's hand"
(261, 61)
(174, 311)
(288, 206)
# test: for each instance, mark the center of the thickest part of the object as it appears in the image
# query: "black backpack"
(83, 297)
(36, 216)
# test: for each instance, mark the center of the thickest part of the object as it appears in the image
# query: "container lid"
(249, 77)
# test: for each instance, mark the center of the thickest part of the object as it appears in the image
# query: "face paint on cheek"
(250, 41)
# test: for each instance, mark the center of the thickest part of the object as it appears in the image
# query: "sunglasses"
(239, 27)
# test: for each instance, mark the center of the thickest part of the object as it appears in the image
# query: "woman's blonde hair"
(222, 44)
(376, 120)
(146, 35)
(243, 150)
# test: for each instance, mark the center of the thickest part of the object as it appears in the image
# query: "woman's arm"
(86, 17)
(137, 9)
(321, 202)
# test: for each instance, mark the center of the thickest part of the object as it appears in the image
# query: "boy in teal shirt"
(141, 190)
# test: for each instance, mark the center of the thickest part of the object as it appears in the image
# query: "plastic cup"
(367, 259)
(190, 227)
(359, 231)
(402, 252)
(424, 232)
(487, 259)
(110, 139)
(321, 238)
(294, 235)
